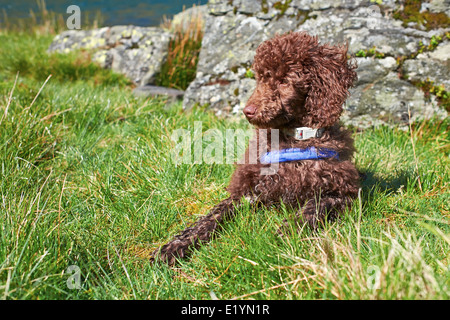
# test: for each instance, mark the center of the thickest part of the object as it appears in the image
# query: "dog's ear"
(330, 77)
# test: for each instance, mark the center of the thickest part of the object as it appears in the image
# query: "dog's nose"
(249, 111)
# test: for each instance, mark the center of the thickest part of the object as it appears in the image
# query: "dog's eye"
(268, 75)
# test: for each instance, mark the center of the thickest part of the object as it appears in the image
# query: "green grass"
(87, 180)
(180, 67)
(27, 54)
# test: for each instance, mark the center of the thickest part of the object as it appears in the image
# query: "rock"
(171, 95)
(186, 17)
(79, 39)
(233, 95)
(434, 66)
(148, 91)
(366, 28)
(136, 52)
(437, 6)
(371, 70)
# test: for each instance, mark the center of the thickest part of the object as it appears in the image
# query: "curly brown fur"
(300, 83)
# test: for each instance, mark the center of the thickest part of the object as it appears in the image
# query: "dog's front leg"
(317, 211)
(200, 232)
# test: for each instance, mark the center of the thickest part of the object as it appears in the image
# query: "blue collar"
(296, 154)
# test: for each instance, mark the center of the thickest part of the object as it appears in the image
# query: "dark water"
(141, 13)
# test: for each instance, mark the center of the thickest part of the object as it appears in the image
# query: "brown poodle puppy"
(301, 88)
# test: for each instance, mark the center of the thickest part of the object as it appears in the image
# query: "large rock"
(235, 28)
(380, 97)
(136, 52)
(388, 100)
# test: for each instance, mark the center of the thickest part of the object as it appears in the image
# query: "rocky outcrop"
(136, 52)
(235, 28)
(391, 57)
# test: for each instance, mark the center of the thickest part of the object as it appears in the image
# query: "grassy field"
(88, 188)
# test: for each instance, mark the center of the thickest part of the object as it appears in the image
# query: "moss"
(303, 15)
(249, 74)
(430, 88)
(264, 6)
(400, 60)
(282, 6)
(434, 42)
(372, 52)
(430, 20)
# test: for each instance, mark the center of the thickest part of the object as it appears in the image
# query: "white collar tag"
(304, 133)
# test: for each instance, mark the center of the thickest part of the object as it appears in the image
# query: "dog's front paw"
(170, 252)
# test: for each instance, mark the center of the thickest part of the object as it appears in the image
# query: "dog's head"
(299, 82)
